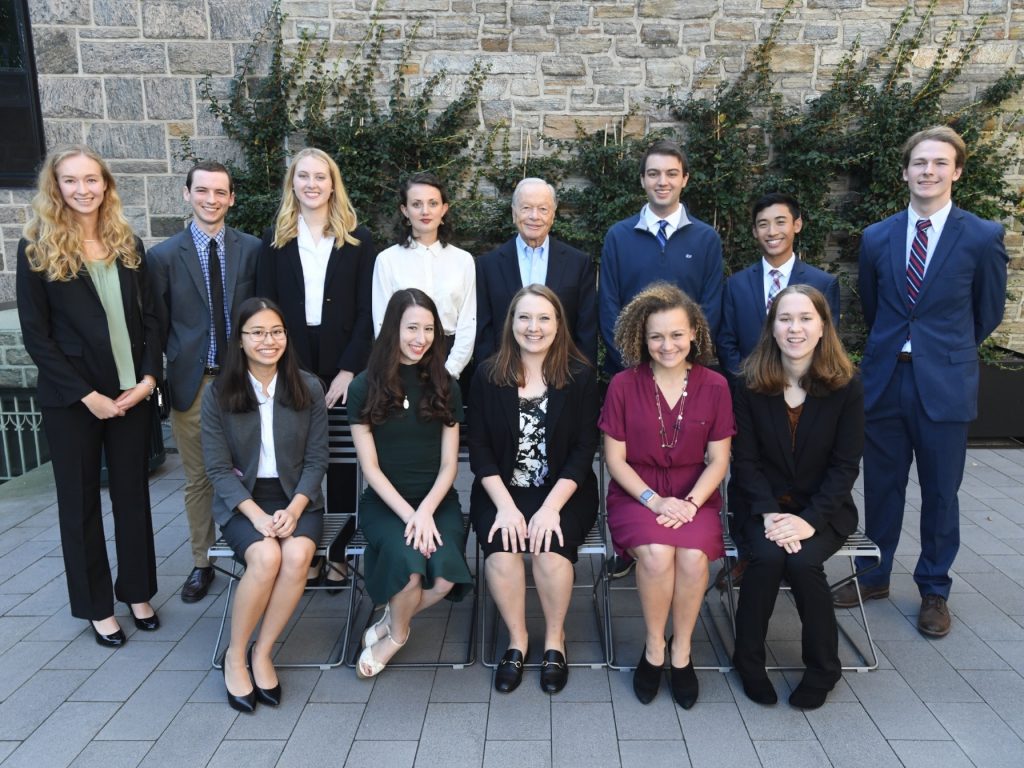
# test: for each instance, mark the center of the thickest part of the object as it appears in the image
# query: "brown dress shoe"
(933, 620)
(737, 569)
(846, 595)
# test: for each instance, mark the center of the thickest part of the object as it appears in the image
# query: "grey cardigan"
(231, 449)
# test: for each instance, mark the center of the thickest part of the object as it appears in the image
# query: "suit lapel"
(780, 426)
(509, 398)
(190, 261)
(556, 266)
(757, 289)
(294, 261)
(898, 256)
(510, 268)
(333, 264)
(950, 234)
(230, 267)
(556, 401)
(805, 427)
(128, 302)
(246, 427)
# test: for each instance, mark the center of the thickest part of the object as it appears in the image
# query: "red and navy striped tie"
(915, 264)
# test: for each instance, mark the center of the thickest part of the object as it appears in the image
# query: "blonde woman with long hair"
(90, 327)
(317, 266)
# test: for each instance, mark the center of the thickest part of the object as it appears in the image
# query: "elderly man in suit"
(533, 256)
(199, 276)
(933, 286)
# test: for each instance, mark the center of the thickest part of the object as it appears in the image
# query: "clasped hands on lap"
(543, 526)
(672, 512)
(421, 531)
(787, 530)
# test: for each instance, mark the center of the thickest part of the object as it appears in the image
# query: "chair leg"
(216, 661)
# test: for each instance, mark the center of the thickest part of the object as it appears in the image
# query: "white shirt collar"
(649, 221)
(786, 268)
(257, 387)
(938, 219)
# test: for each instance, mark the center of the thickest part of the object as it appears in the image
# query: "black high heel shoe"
(147, 624)
(269, 696)
(646, 679)
(113, 640)
(683, 682)
(245, 703)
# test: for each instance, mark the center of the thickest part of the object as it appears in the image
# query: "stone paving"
(158, 702)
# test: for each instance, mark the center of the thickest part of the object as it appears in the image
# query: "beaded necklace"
(679, 416)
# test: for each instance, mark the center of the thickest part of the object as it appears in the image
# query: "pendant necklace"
(405, 402)
(679, 416)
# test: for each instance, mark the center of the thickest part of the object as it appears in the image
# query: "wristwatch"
(646, 496)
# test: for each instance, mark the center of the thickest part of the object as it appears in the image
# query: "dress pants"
(198, 491)
(804, 571)
(897, 430)
(76, 439)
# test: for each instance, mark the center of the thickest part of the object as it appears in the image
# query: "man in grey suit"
(195, 297)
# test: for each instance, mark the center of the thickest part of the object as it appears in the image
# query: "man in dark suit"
(748, 294)
(534, 257)
(933, 287)
(195, 304)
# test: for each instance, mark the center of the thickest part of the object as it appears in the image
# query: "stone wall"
(123, 75)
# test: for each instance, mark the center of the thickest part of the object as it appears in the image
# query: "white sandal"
(369, 663)
(370, 636)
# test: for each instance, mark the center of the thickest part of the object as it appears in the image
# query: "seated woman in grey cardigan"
(265, 444)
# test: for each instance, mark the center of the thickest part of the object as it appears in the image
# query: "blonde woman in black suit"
(799, 440)
(90, 328)
(317, 266)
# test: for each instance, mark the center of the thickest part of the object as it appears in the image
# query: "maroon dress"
(630, 416)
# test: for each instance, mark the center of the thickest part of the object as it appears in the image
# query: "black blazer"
(346, 325)
(65, 331)
(818, 475)
(570, 275)
(570, 429)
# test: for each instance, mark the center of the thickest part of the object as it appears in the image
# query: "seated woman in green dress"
(405, 411)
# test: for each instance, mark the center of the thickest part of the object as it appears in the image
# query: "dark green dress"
(409, 454)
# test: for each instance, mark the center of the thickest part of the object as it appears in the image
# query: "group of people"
(262, 338)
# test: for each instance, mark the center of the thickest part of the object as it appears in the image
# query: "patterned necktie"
(662, 237)
(915, 264)
(774, 288)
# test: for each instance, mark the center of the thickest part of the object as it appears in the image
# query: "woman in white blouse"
(424, 258)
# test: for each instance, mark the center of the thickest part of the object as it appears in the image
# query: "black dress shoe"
(554, 672)
(269, 696)
(334, 586)
(646, 679)
(113, 640)
(146, 624)
(760, 690)
(318, 566)
(509, 673)
(197, 584)
(807, 697)
(683, 682)
(245, 703)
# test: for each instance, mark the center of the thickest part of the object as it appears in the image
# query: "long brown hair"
(385, 392)
(830, 369)
(341, 216)
(631, 325)
(55, 243)
(507, 363)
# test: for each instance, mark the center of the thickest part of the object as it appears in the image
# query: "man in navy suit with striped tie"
(933, 286)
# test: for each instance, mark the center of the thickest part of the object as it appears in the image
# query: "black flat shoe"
(245, 703)
(509, 673)
(147, 624)
(554, 672)
(646, 679)
(760, 691)
(683, 682)
(318, 564)
(807, 697)
(113, 640)
(269, 696)
(335, 586)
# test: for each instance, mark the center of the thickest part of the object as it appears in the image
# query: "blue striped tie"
(915, 264)
(662, 237)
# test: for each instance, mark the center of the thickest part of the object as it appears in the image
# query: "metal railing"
(23, 444)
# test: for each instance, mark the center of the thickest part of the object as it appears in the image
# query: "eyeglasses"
(260, 334)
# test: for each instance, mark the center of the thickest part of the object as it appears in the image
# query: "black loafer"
(554, 672)
(269, 696)
(113, 640)
(509, 673)
(147, 623)
(197, 585)
(646, 679)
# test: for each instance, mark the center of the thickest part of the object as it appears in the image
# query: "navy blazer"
(65, 331)
(744, 309)
(346, 324)
(183, 303)
(231, 450)
(570, 429)
(961, 301)
(818, 474)
(570, 275)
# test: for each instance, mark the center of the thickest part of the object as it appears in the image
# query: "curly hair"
(53, 232)
(403, 227)
(631, 325)
(830, 369)
(341, 216)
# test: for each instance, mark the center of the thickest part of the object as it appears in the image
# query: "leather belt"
(904, 357)
(208, 371)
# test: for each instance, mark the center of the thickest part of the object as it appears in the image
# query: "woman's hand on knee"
(545, 523)
(421, 533)
(512, 524)
(264, 525)
(284, 523)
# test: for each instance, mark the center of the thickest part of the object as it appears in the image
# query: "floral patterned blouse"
(531, 468)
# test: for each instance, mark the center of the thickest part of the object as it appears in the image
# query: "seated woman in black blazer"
(800, 435)
(264, 426)
(532, 437)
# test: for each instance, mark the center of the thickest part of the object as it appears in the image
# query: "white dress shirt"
(268, 456)
(676, 219)
(314, 257)
(785, 271)
(447, 275)
(934, 232)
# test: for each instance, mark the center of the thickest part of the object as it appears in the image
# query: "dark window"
(21, 136)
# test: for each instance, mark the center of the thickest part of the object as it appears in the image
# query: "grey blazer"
(183, 305)
(231, 449)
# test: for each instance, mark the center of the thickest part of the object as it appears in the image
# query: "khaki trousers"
(198, 491)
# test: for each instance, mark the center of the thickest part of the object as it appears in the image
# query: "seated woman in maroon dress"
(660, 418)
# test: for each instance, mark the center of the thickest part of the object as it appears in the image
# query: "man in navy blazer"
(533, 256)
(180, 269)
(776, 222)
(933, 286)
